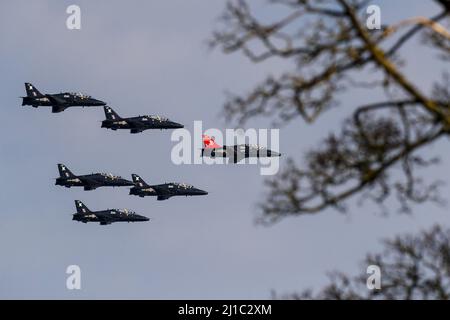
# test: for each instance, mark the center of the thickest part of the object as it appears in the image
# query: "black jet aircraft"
(136, 124)
(105, 216)
(89, 181)
(59, 101)
(163, 191)
(235, 153)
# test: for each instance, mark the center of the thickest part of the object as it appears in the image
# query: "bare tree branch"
(377, 152)
(412, 267)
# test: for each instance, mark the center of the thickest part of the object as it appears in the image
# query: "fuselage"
(167, 190)
(93, 181)
(141, 123)
(109, 216)
(62, 99)
(237, 153)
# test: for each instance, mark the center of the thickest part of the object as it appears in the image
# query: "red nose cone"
(209, 142)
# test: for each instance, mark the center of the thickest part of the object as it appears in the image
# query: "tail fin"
(81, 208)
(64, 172)
(32, 92)
(138, 181)
(110, 114)
(209, 142)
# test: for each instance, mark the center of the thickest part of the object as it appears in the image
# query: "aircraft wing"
(163, 197)
(235, 154)
(135, 123)
(58, 108)
(88, 188)
(162, 193)
(136, 126)
(58, 104)
(238, 158)
(55, 101)
(103, 218)
(89, 184)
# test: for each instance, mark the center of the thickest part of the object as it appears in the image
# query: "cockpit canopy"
(257, 147)
(184, 185)
(157, 118)
(126, 211)
(110, 176)
(80, 95)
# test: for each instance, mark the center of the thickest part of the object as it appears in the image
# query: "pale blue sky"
(150, 57)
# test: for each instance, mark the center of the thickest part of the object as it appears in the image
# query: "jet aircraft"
(234, 153)
(59, 101)
(89, 181)
(105, 217)
(136, 124)
(163, 191)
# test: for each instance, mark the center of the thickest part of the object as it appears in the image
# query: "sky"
(151, 58)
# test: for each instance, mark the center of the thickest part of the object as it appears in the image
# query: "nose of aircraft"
(201, 192)
(99, 102)
(176, 125)
(276, 154)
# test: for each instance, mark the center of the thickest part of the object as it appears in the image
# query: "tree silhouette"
(332, 50)
(412, 267)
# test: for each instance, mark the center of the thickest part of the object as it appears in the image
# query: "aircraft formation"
(140, 188)
(61, 101)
